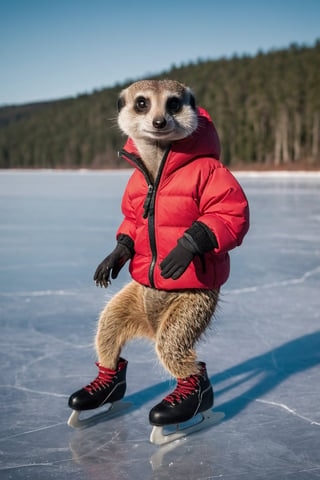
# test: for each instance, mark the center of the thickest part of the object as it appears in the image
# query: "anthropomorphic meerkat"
(183, 212)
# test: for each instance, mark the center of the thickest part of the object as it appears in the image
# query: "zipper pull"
(147, 201)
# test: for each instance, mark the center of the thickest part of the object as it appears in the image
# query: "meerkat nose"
(159, 122)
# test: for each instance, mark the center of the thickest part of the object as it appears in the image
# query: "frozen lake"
(262, 354)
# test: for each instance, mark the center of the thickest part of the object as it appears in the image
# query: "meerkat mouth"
(155, 133)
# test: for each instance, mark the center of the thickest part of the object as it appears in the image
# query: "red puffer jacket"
(192, 185)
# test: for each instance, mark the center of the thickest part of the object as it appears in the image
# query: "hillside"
(266, 109)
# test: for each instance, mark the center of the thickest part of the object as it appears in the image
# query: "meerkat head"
(157, 111)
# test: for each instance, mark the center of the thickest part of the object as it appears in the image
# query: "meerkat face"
(157, 111)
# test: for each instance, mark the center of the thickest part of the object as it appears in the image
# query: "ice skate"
(108, 388)
(192, 399)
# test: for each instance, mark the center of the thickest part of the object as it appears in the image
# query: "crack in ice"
(38, 392)
(288, 409)
(31, 431)
(27, 465)
(39, 293)
(282, 283)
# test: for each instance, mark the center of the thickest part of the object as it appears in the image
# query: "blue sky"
(52, 49)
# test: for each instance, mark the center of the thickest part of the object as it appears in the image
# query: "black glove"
(177, 261)
(115, 261)
(197, 240)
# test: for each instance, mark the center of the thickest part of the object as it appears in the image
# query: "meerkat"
(155, 114)
(183, 212)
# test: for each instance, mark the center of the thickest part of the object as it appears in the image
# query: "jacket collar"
(204, 142)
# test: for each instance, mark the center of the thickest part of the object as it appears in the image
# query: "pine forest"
(266, 109)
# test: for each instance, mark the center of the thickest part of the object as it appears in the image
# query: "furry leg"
(182, 324)
(123, 318)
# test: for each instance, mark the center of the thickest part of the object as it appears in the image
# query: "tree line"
(266, 109)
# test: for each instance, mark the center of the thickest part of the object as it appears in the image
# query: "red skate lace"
(103, 379)
(184, 388)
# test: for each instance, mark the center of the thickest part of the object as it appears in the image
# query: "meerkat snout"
(157, 111)
(159, 122)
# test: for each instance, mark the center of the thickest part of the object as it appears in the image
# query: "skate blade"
(208, 418)
(114, 410)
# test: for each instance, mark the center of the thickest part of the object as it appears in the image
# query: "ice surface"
(263, 352)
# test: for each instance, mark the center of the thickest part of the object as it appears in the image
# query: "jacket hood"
(204, 142)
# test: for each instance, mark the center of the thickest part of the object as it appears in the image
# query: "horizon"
(156, 74)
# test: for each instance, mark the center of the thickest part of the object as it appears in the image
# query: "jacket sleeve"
(128, 225)
(224, 209)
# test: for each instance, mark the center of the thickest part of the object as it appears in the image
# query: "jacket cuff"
(201, 237)
(127, 241)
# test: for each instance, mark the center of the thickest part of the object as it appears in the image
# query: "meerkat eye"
(174, 105)
(142, 104)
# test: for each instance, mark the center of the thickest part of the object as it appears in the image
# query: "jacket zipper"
(149, 204)
(151, 215)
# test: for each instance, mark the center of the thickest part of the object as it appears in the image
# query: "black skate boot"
(191, 396)
(108, 387)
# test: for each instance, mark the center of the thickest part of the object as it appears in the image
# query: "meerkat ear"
(121, 102)
(192, 100)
